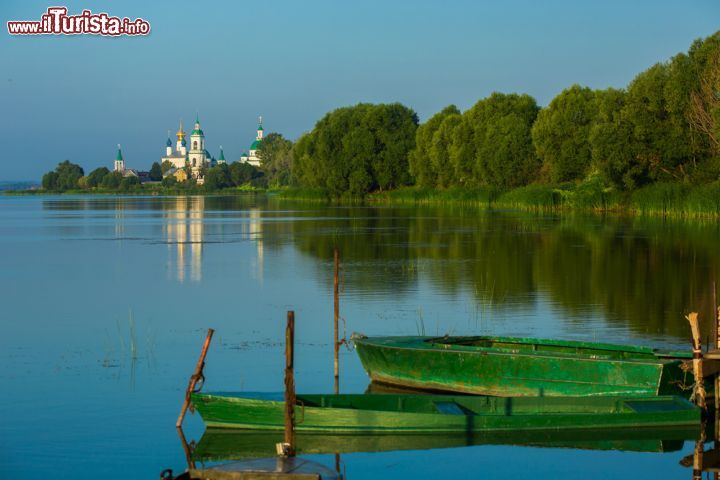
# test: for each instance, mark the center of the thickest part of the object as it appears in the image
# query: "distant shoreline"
(659, 200)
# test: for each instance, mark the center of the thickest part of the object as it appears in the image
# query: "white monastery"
(193, 158)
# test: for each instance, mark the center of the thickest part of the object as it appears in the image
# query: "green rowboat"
(362, 413)
(516, 367)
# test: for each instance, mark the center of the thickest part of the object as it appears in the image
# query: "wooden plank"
(712, 354)
(281, 468)
(213, 474)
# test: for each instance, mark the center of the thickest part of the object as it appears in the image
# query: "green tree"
(301, 171)
(357, 149)
(112, 180)
(702, 80)
(156, 172)
(169, 181)
(128, 183)
(660, 138)
(166, 165)
(276, 159)
(562, 131)
(66, 177)
(95, 177)
(440, 148)
(50, 181)
(419, 164)
(462, 154)
(611, 142)
(242, 173)
(217, 178)
(502, 142)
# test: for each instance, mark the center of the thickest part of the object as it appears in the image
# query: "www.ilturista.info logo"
(57, 22)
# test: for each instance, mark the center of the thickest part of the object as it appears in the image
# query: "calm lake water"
(106, 300)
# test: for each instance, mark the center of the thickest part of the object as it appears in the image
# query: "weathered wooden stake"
(196, 376)
(699, 392)
(336, 317)
(698, 459)
(716, 314)
(290, 385)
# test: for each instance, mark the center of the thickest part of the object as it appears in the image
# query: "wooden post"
(290, 384)
(196, 376)
(716, 314)
(698, 460)
(336, 317)
(699, 392)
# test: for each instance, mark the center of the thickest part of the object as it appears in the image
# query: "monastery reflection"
(253, 230)
(183, 230)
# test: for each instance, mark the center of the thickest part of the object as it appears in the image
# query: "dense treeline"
(664, 128)
(489, 144)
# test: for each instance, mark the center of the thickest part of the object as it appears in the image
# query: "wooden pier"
(279, 468)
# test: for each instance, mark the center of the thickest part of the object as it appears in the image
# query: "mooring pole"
(716, 312)
(196, 376)
(336, 318)
(290, 384)
(698, 459)
(699, 392)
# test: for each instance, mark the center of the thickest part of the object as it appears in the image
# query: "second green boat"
(515, 367)
(412, 414)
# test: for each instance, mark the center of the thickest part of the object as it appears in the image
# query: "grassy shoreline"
(659, 199)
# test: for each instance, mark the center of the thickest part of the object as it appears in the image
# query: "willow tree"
(504, 153)
(419, 162)
(356, 150)
(562, 131)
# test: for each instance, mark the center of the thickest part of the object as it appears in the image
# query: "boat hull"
(414, 414)
(521, 367)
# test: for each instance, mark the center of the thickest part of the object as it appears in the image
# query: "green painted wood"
(395, 413)
(222, 444)
(514, 367)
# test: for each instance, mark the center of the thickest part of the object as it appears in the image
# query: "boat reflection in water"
(254, 466)
(217, 446)
(223, 444)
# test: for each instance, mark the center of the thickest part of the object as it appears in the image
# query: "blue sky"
(291, 62)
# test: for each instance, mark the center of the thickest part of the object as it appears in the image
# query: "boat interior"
(486, 405)
(520, 346)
